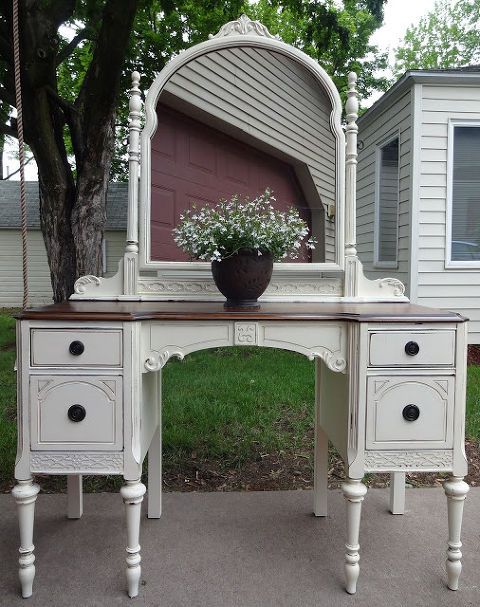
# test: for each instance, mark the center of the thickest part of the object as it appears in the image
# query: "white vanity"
(390, 375)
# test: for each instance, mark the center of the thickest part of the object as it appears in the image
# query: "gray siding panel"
(397, 120)
(451, 289)
(290, 114)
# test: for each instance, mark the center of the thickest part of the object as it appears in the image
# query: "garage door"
(194, 163)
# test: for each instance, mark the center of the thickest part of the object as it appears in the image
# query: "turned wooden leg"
(155, 476)
(320, 470)
(397, 492)
(354, 492)
(25, 494)
(320, 476)
(74, 496)
(456, 491)
(132, 493)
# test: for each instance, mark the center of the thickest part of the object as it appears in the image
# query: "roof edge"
(412, 77)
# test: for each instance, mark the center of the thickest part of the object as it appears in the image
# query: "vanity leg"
(320, 475)
(74, 496)
(25, 494)
(456, 491)
(354, 492)
(397, 492)
(155, 476)
(132, 493)
(320, 458)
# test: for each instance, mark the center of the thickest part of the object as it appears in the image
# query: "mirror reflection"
(239, 121)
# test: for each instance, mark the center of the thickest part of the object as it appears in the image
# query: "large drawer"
(76, 347)
(79, 413)
(409, 412)
(411, 348)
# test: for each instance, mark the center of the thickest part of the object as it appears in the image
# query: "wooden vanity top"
(184, 310)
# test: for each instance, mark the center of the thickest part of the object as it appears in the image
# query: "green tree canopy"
(77, 56)
(448, 36)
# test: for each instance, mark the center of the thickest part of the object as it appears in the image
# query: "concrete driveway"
(243, 550)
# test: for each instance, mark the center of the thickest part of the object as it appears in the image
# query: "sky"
(399, 14)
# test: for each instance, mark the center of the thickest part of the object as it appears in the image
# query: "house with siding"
(40, 290)
(418, 189)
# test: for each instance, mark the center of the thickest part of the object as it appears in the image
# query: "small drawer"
(409, 412)
(76, 413)
(412, 348)
(76, 348)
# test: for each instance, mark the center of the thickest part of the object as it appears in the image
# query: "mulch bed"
(473, 355)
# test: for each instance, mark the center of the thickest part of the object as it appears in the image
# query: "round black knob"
(412, 348)
(76, 413)
(76, 348)
(411, 413)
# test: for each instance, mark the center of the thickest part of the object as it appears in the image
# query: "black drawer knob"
(76, 413)
(411, 413)
(76, 348)
(412, 348)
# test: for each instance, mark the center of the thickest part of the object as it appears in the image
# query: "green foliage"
(446, 37)
(336, 34)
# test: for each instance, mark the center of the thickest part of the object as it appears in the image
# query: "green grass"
(229, 405)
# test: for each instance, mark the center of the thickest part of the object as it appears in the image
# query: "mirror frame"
(230, 36)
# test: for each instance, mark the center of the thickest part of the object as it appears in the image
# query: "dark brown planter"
(243, 277)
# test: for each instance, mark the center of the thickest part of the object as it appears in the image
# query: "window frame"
(377, 263)
(451, 264)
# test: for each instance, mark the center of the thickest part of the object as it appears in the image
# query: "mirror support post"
(130, 270)
(351, 260)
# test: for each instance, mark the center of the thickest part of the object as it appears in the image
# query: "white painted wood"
(25, 494)
(155, 475)
(132, 494)
(397, 492)
(354, 492)
(387, 348)
(51, 398)
(388, 396)
(50, 348)
(74, 496)
(456, 491)
(320, 471)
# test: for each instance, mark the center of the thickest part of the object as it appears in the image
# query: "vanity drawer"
(79, 348)
(411, 348)
(409, 412)
(80, 413)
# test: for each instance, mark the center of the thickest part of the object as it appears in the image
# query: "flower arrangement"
(219, 232)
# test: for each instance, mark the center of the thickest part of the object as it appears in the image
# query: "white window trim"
(104, 256)
(378, 162)
(449, 263)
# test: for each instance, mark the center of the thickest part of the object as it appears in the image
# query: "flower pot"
(243, 277)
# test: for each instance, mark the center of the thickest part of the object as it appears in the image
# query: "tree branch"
(71, 46)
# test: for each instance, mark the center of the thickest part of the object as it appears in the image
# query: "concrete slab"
(243, 550)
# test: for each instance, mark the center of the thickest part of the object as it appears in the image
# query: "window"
(386, 220)
(463, 245)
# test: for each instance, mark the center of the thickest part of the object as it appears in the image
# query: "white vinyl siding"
(240, 91)
(40, 291)
(394, 122)
(386, 219)
(438, 285)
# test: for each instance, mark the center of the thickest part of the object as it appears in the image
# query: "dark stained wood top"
(174, 310)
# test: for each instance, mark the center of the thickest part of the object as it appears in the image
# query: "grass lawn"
(223, 409)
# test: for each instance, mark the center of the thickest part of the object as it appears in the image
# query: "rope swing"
(21, 150)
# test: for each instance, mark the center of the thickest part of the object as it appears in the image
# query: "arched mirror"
(235, 116)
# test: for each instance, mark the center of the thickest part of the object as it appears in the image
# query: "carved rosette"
(243, 26)
(82, 284)
(157, 360)
(396, 285)
(334, 361)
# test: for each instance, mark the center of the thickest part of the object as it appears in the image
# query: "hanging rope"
(21, 150)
